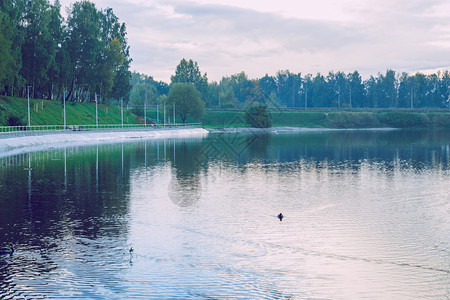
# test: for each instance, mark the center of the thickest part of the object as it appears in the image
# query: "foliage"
(48, 112)
(145, 87)
(187, 102)
(402, 119)
(336, 90)
(6, 58)
(86, 54)
(14, 121)
(258, 115)
(189, 72)
(352, 120)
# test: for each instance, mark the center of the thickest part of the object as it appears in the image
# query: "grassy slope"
(47, 112)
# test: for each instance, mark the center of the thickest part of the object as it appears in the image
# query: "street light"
(164, 113)
(64, 105)
(121, 106)
(96, 111)
(28, 93)
(145, 108)
(306, 96)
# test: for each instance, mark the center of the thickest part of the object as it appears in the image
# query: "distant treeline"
(335, 90)
(47, 56)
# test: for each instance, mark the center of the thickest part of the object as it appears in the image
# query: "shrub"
(14, 121)
(258, 116)
(404, 119)
(352, 120)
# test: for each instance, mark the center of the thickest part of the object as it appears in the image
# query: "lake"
(367, 216)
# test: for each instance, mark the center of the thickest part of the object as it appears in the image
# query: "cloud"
(226, 37)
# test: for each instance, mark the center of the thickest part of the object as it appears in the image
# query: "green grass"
(50, 112)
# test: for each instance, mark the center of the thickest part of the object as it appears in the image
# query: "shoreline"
(288, 129)
(24, 144)
(19, 145)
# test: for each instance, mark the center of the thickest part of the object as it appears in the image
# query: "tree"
(189, 72)
(356, 89)
(187, 101)
(258, 115)
(288, 86)
(6, 59)
(319, 92)
(38, 51)
(12, 12)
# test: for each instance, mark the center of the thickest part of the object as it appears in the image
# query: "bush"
(352, 120)
(14, 121)
(439, 120)
(258, 116)
(404, 119)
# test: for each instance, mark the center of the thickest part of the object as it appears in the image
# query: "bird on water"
(7, 250)
(280, 216)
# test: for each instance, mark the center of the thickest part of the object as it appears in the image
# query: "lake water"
(367, 216)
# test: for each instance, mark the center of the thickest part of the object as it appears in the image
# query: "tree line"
(49, 57)
(292, 90)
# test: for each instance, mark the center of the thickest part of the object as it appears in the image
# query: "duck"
(280, 216)
(7, 250)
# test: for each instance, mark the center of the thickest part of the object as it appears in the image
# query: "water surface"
(366, 217)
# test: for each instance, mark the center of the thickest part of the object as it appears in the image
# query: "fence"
(17, 131)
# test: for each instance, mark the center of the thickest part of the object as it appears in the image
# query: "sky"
(263, 37)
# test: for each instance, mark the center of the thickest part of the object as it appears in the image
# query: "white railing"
(15, 131)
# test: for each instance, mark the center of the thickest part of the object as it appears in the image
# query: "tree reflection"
(185, 187)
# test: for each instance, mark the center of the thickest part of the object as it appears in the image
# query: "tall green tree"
(57, 72)
(188, 71)
(98, 52)
(355, 90)
(38, 50)
(113, 30)
(13, 30)
(6, 59)
(187, 101)
(84, 46)
(319, 92)
(258, 116)
(288, 87)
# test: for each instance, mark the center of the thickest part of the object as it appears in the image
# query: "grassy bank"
(46, 112)
(336, 119)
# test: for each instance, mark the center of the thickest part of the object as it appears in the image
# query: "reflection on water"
(366, 216)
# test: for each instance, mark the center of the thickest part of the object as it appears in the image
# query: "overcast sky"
(259, 37)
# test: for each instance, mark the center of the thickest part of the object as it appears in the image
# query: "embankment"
(12, 146)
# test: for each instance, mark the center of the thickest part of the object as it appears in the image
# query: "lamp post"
(157, 113)
(28, 93)
(121, 107)
(64, 106)
(145, 108)
(96, 111)
(174, 121)
(220, 84)
(306, 96)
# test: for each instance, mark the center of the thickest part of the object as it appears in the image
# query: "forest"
(85, 57)
(46, 56)
(292, 90)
